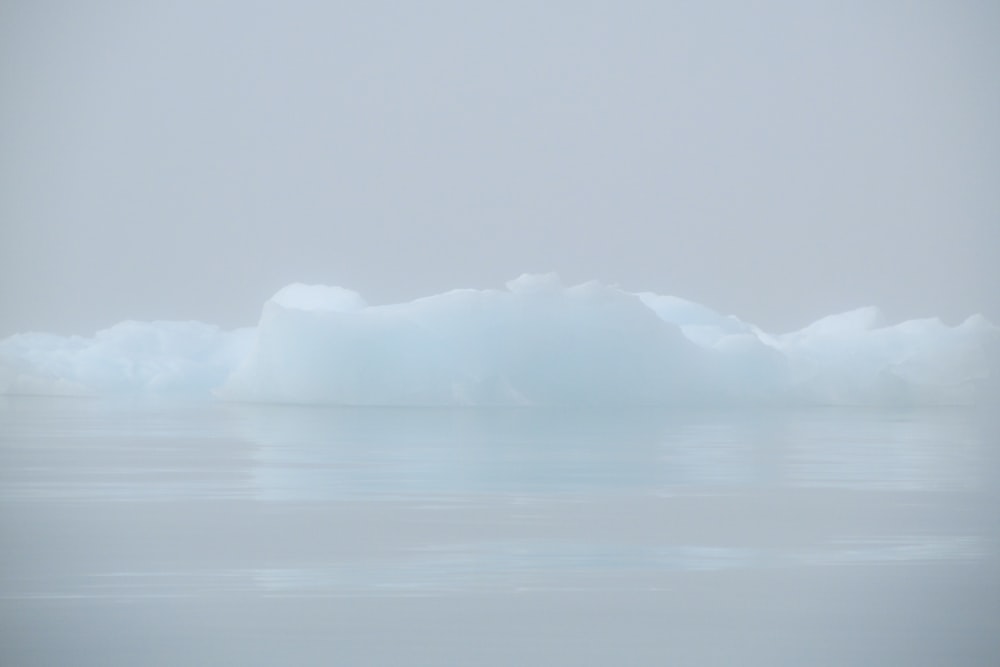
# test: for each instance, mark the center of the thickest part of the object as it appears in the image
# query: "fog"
(778, 162)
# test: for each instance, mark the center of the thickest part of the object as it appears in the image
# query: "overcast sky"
(778, 160)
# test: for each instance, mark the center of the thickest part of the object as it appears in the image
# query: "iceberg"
(534, 343)
(179, 359)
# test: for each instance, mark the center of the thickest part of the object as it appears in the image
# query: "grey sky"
(777, 160)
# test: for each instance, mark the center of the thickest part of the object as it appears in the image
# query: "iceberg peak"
(318, 297)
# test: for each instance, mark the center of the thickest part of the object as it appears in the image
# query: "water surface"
(164, 534)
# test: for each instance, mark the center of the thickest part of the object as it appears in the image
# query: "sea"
(149, 532)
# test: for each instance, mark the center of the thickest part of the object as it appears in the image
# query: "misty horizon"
(780, 164)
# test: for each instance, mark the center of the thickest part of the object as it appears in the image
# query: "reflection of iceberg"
(311, 453)
(553, 566)
(314, 453)
(535, 343)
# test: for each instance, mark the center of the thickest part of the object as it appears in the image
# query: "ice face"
(537, 342)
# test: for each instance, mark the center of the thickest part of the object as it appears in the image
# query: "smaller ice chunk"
(131, 358)
(851, 358)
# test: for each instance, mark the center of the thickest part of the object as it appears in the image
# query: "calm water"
(152, 534)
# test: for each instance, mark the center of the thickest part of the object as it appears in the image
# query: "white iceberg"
(536, 342)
